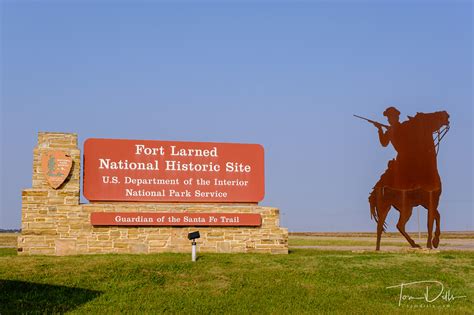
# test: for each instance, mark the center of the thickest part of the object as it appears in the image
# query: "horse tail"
(373, 208)
(373, 204)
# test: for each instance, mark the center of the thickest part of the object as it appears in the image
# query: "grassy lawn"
(305, 281)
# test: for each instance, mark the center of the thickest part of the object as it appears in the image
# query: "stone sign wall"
(54, 222)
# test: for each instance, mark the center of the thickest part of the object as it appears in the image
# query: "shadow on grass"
(27, 297)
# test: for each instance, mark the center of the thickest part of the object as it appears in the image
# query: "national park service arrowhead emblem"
(56, 166)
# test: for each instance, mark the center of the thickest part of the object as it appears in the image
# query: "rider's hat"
(391, 111)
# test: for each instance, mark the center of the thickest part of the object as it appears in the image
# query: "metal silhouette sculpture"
(411, 179)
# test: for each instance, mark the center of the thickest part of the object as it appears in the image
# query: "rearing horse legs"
(382, 211)
(437, 231)
(405, 214)
(434, 202)
(405, 210)
(431, 217)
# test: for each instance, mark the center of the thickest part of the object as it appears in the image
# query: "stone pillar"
(40, 203)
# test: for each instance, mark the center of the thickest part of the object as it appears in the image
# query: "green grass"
(7, 252)
(305, 281)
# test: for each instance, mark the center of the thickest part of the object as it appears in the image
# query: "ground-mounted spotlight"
(193, 236)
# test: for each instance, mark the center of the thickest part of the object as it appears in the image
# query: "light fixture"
(193, 236)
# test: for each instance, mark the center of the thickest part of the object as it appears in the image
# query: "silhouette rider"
(391, 135)
(415, 164)
(396, 134)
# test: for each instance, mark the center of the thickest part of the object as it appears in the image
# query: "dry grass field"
(8, 239)
(366, 241)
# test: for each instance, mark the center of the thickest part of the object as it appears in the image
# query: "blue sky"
(285, 75)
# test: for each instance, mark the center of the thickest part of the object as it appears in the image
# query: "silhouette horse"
(412, 179)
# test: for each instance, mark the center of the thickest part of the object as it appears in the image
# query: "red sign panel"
(175, 219)
(147, 170)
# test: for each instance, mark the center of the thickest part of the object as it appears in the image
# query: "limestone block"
(139, 248)
(65, 247)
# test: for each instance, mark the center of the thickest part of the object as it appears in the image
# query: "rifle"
(372, 121)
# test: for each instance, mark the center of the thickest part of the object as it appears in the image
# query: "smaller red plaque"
(175, 219)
